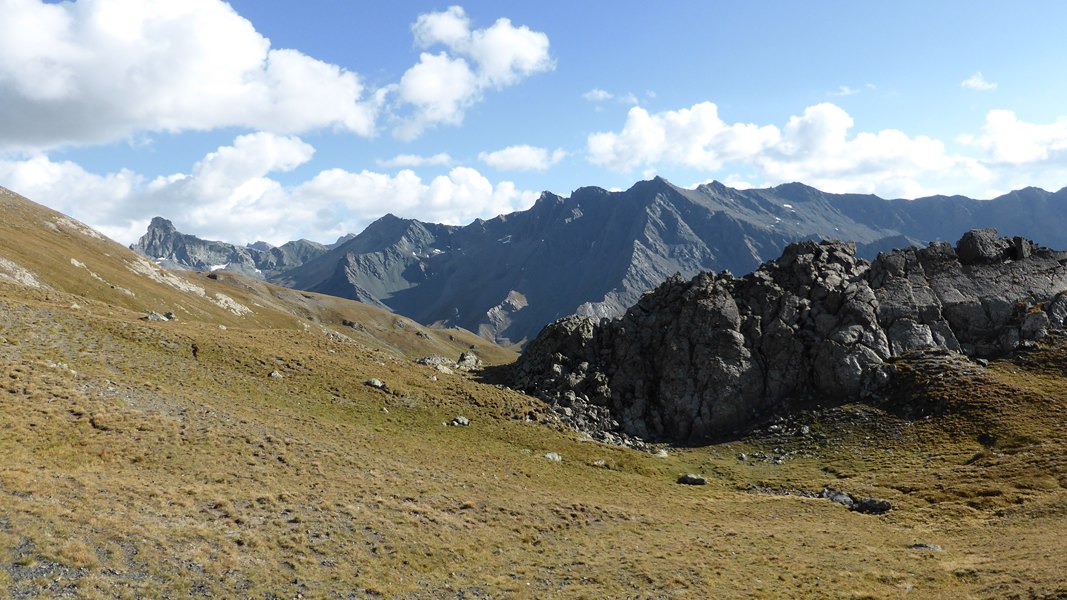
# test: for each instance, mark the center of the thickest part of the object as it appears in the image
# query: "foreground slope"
(595, 252)
(133, 467)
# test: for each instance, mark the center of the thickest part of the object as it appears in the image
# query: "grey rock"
(276, 375)
(1057, 311)
(699, 358)
(154, 316)
(692, 479)
(982, 245)
(927, 547)
(1035, 325)
(460, 421)
(468, 361)
(435, 360)
(376, 384)
(553, 457)
(872, 506)
(839, 497)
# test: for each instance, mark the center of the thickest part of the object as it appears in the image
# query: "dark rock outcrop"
(700, 358)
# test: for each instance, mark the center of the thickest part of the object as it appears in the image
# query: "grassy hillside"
(134, 467)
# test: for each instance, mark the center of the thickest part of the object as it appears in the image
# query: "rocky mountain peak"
(161, 224)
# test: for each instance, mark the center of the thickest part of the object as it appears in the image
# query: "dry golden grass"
(133, 469)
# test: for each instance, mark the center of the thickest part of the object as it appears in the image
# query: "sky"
(276, 120)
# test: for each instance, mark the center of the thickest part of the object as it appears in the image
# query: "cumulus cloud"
(95, 71)
(1013, 141)
(694, 137)
(978, 82)
(443, 85)
(522, 158)
(815, 147)
(99, 70)
(441, 159)
(230, 195)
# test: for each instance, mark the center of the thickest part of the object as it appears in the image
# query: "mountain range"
(596, 252)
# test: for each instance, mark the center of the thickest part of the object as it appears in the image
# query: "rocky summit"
(174, 249)
(697, 359)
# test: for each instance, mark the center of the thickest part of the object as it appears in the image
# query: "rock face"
(699, 358)
(261, 260)
(596, 252)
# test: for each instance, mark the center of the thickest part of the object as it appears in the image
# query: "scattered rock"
(661, 453)
(839, 497)
(872, 506)
(553, 456)
(276, 375)
(460, 421)
(468, 361)
(154, 316)
(376, 384)
(435, 360)
(692, 479)
(928, 547)
(868, 506)
(600, 463)
(443, 369)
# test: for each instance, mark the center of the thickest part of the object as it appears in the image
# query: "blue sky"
(270, 119)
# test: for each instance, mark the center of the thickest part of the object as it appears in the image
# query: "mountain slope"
(53, 253)
(174, 459)
(596, 252)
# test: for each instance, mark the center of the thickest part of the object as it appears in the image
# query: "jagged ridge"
(596, 252)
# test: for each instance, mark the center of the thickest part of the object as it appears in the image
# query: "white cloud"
(414, 160)
(1012, 141)
(695, 137)
(597, 95)
(230, 195)
(815, 147)
(442, 86)
(95, 71)
(978, 82)
(522, 158)
(844, 90)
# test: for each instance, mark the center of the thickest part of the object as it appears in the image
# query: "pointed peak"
(657, 183)
(161, 223)
(797, 191)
